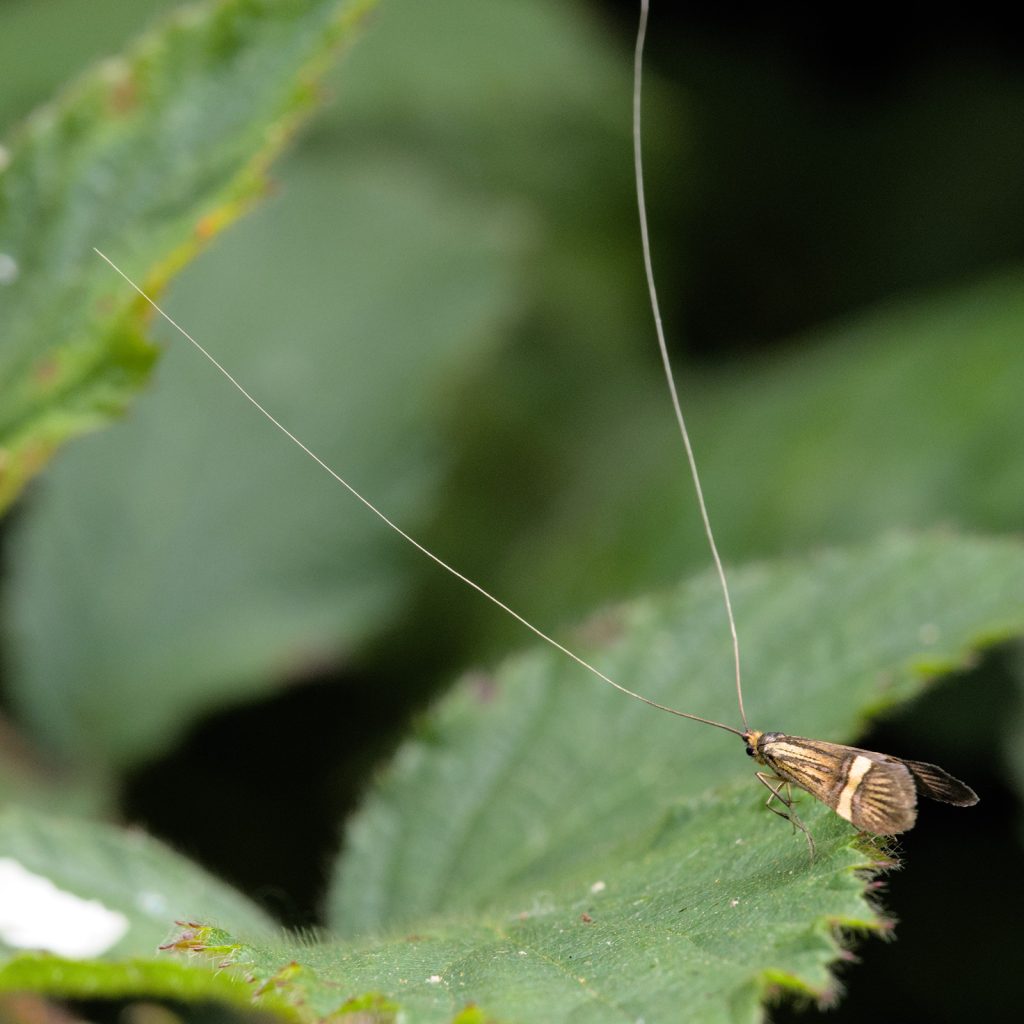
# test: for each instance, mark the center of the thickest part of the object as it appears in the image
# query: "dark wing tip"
(937, 784)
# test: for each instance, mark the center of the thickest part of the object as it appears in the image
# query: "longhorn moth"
(876, 792)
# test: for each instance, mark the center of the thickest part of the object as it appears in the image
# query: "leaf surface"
(523, 774)
(122, 873)
(546, 849)
(210, 560)
(146, 157)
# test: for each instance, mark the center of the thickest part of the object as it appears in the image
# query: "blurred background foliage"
(444, 297)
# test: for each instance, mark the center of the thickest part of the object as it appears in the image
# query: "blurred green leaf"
(200, 580)
(147, 157)
(906, 416)
(30, 780)
(33, 73)
(915, 416)
(113, 871)
(165, 978)
(360, 306)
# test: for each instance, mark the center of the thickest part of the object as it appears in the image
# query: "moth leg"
(775, 787)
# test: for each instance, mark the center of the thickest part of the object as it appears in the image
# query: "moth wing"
(937, 784)
(810, 764)
(883, 800)
(874, 791)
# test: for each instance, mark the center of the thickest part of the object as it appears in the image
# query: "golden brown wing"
(813, 765)
(882, 799)
(873, 791)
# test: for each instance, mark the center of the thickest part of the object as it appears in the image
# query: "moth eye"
(750, 750)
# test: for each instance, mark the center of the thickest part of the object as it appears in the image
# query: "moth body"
(874, 792)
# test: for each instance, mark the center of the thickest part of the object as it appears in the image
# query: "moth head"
(752, 738)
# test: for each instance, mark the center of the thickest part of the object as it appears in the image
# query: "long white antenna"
(394, 526)
(638, 60)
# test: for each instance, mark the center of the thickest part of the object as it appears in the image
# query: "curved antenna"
(394, 526)
(638, 60)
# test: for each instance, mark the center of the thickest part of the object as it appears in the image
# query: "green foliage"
(683, 913)
(540, 855)
(305, 578)
(531, 777)
(129, 873)
(153, 979)
(444, 300)
(899, 417)
(148, 157)
(260, 567)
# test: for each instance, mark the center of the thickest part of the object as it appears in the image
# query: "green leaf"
(546, 849)
(153, 979)
(101, 900)
(101, 27)
(902, 416)
(199, 585)
(911, 428)
(28, 781)
(534, 770)
(147, 157)
(118, 874)
(568, 395)
(686, 912)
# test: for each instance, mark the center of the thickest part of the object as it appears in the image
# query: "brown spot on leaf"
(45, 371)
(124, 94)
(208, 226)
